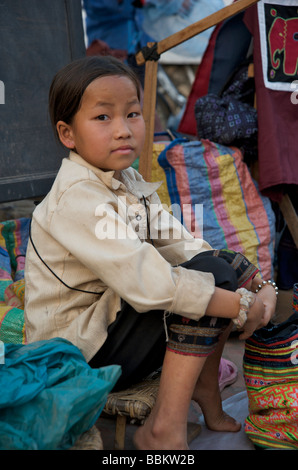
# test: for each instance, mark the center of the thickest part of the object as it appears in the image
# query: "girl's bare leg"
(166, 426)
(184, 378)
(207, 394)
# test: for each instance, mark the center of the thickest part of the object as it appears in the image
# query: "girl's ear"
(65, 134)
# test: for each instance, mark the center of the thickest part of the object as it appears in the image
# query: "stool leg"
(119, 443)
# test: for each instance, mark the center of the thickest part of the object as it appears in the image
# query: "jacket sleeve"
(136, 270)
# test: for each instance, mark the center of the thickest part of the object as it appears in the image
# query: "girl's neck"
(117, 175)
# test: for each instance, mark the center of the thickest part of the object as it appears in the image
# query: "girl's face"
(108, 131)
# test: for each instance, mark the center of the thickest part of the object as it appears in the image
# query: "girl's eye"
(133, 114)
(102, 117)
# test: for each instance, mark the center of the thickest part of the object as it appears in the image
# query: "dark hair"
(70, 83)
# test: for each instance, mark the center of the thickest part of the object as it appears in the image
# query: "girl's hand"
(255, 318)
(269, 298)
(261, 312)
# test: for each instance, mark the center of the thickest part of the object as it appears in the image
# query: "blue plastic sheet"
(162, 19)
(49, 395)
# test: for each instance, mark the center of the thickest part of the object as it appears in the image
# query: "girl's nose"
(122, 129)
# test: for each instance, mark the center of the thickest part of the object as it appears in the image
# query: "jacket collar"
(138, 187)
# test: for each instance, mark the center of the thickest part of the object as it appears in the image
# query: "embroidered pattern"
(279, 35)
(270, 373)
(193, 340)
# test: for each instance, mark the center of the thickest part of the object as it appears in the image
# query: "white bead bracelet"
(247, 299)
(272, 283)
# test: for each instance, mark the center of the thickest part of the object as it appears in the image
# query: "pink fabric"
(227, 373)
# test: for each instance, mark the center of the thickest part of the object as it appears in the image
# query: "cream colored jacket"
(91, 230)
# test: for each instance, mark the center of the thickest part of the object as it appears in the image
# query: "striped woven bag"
(270, 369)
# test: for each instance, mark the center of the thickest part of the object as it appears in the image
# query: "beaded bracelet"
(272, 283)
(247, 299)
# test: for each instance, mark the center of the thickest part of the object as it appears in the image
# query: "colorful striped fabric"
(219, 200)
(270, 369)
(13, 245)
(157, 173)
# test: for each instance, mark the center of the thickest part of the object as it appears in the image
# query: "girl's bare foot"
(153, 436)
(215, 418)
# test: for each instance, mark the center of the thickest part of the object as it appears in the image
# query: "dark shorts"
(138, 341)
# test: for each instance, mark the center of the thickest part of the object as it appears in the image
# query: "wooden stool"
(135, 404)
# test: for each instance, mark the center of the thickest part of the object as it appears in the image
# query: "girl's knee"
(224, 274)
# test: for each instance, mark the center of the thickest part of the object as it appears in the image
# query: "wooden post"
(198, 27)
(149, 103)
(290, 216)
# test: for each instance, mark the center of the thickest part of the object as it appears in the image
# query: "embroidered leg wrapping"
(193, 338)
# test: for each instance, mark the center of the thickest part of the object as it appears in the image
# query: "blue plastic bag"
(49, 395)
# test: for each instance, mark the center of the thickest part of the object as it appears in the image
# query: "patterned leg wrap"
(192, 338)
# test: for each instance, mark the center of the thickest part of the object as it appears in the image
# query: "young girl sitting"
(114, 273)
